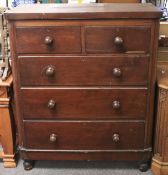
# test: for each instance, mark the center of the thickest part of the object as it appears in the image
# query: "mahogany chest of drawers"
(84, 80)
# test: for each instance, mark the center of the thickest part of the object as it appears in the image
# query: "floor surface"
(75, 168)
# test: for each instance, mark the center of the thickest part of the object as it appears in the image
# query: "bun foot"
(28, 164)
(143, 167)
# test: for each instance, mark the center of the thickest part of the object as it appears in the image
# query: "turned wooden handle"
(118, 41)
(116, 104)
(53, 138)
(48, 40)
(116, 138)
(117, 72)
(50, 71)
(51, 104)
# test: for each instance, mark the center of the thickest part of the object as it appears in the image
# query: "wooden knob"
(116, 104)
(48, 40)
(117, 72)
(116, 138)
(50, 71)
(53, 138)
(51, 104)
(118, 41)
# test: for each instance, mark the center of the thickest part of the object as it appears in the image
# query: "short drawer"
(37, 71)
(58, 39)
(117, 39)
(84, 135)
(83, 103)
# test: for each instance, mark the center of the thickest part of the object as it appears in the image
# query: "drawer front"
(84, 71)
(83, 103)
(58, 39)
(84, 135)
(117, 39)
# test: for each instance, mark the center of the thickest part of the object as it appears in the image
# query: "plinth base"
(159, 168)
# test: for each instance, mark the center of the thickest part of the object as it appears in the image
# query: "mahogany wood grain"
(64, 39)
(152, 85)
(89, 103)
(99, 135)
(100, 39)
(85, 11)
(82, 96)
(92, 70)
(99, 155)
(83, 23)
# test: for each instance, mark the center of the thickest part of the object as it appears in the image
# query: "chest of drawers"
(84, 80)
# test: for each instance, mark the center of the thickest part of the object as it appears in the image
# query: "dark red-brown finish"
(84, 70)
(84, 103)
(34, 39)
(84, 135)
(37, 154)
(84, 79)
(102, 39)
(86, 11)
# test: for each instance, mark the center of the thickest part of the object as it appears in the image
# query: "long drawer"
(117, 39)
(83, 103)
(104, 135)
(62, 70)
(57, 39)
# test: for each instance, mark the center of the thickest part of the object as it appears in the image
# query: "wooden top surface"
(84, 11)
